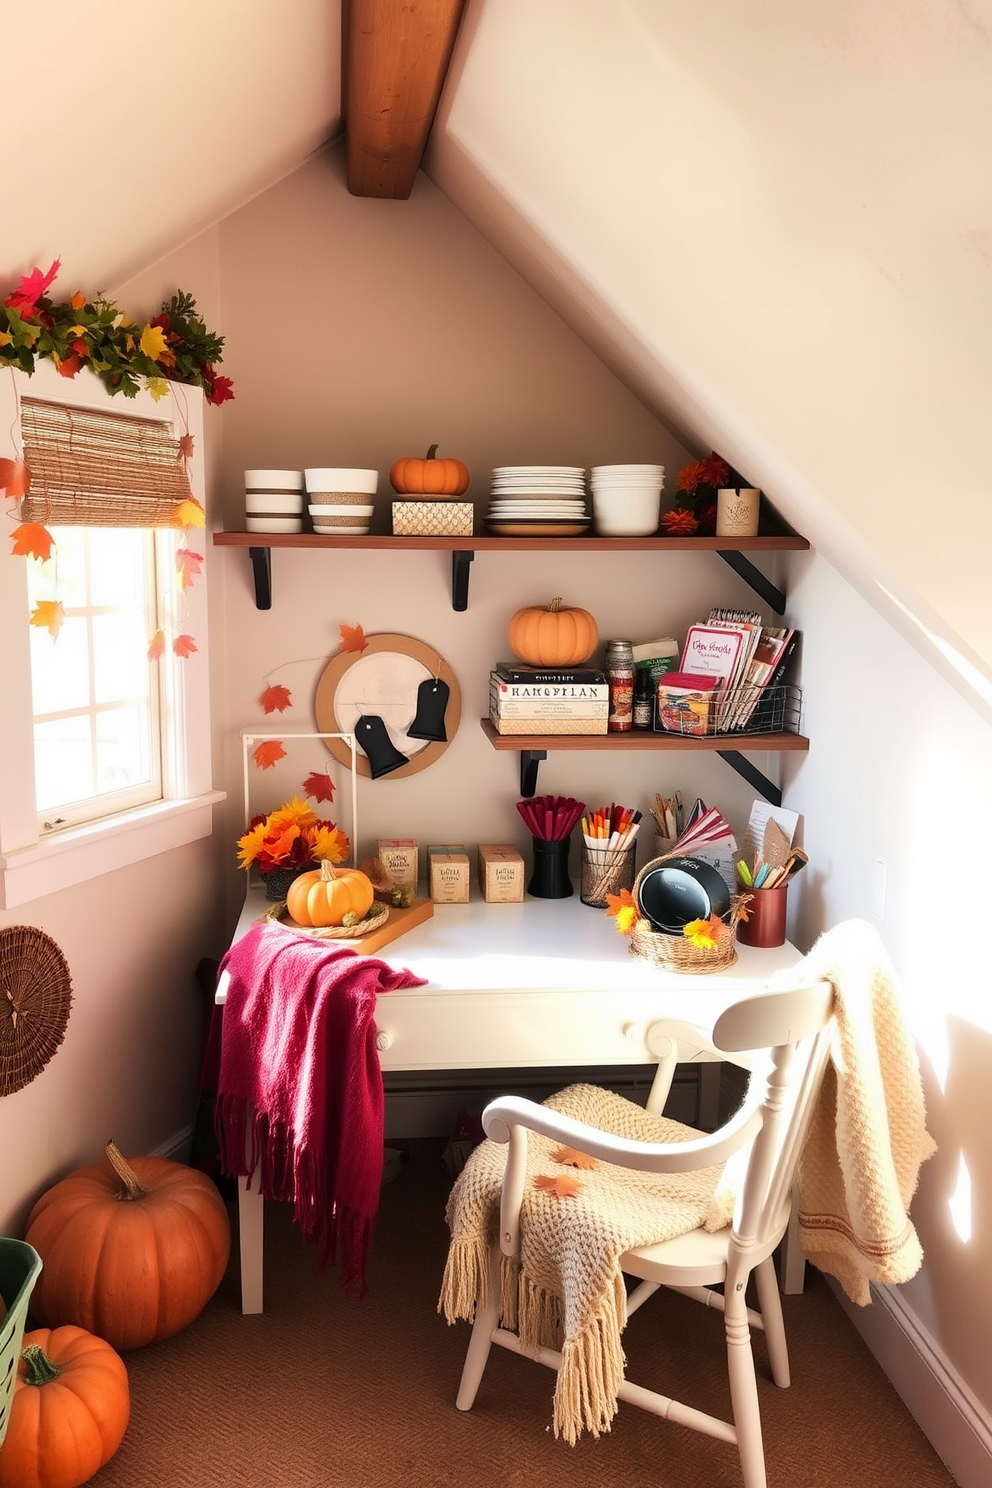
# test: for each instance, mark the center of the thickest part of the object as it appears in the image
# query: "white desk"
(546, 982)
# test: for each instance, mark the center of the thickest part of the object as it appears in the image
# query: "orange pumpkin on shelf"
(325, 896)
(131, 1250)
(429, 476)
(553, 635)
(69, 1411)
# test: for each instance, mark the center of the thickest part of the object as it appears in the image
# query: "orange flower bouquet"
(288, 842)
(697, 484)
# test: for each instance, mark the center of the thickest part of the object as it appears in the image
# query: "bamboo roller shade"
(100, 469)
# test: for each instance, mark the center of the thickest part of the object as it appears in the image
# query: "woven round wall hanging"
(35, 998)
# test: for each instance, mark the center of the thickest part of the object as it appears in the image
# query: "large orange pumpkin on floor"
(69, 1411)
(131, 1250)
(553, 635)
(429, 476)
(326, 895)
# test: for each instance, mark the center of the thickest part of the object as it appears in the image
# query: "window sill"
(69, 858)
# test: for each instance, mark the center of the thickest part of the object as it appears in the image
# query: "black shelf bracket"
(460, 560)
(752, 576)
(261, 563)
(529, 761)
(752, 775)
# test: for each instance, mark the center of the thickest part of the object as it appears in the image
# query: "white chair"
(782, 1036)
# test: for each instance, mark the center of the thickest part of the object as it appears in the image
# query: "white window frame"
(33, 865)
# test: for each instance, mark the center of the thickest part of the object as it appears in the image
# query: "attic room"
(638, 232)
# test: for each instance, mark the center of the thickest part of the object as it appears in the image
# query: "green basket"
(20, 1265)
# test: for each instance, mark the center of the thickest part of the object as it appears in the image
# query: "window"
(94, 734)
(95, 692)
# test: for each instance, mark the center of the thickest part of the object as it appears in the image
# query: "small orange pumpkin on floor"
(553, 635)
(69, 1411)
(324, 896)
(429, 476)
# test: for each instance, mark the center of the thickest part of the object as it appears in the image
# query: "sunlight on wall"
(959, 1203)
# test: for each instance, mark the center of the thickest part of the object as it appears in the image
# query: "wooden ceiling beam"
(394, 56)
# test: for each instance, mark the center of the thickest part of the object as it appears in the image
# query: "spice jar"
(620, 677)
(643, 711)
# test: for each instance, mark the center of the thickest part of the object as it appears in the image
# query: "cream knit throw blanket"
(868, 1137)
(568, 1291)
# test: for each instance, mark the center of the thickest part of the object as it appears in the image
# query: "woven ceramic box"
(433, 518)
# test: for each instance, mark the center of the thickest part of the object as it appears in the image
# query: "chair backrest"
(792, 1029)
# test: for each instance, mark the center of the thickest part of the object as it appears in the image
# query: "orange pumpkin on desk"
(328, 894)
(429, 476)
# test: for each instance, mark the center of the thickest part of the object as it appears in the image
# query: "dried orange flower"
(622, 905)
(704, 934)
(680, 522)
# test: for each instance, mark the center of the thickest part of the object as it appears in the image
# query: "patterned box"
(433, 518)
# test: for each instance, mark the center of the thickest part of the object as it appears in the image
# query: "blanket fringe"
(591, 1372)
(465, 1283)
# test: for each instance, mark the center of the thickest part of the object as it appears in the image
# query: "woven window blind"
(99, 469)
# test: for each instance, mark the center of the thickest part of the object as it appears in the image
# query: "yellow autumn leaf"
(5, 338)
(78, 330)
(189, 513)
(152, 341)
(158, 387)
(48, 615)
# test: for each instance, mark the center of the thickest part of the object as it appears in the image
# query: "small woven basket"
(676, 952)
(20, 1265)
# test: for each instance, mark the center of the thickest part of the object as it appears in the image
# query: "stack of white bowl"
(274, 500)
(340, 500)
(626, 499)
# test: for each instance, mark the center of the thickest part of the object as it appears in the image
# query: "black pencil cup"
(550, 879)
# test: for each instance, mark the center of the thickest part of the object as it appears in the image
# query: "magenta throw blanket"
(299, 1093)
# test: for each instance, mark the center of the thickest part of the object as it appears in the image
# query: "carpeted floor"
(324, 1391)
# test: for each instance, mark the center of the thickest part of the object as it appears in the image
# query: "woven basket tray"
(675, 952)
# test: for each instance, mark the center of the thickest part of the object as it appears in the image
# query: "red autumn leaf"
(188, 565)
(48, 615)
(275, 699)
(69, 366)
(185, 450)
(573, 1158)
(32, 287)
(15, 477)
(564, 1186)
(353, 638)
(319, 787)
(184, 646)
(32, 540)
(268, 753)
(156, 646)
(221, 388)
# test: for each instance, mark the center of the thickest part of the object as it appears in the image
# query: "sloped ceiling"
(773, 221)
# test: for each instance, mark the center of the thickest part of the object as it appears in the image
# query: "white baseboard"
(944, 1407)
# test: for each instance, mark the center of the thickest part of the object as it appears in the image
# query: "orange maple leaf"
(353, 638)
(78, 300)
(32, 540)
(188, 565)
(48, 615)
(15, 477)
(573, 1158)
(189, 513)
(275, 699)
(319, 787)
(156, 646)
(184, 645)
(185, 450)
(564, 1186)
(268, 753)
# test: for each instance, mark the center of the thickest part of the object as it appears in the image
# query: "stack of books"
(550, 700)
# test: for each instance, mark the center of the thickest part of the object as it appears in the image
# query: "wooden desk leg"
(251, 1212)
(792, 1262)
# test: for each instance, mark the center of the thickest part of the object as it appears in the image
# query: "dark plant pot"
(278, 881)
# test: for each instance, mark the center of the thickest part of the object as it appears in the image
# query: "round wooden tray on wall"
(383, 678)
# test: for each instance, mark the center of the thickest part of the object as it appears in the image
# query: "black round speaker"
(680, 890)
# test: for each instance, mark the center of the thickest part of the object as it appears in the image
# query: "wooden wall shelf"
(533, 748)
(464, 549)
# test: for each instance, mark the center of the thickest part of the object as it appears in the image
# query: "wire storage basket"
(20, 1266)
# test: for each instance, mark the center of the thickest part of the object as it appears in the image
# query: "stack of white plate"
(538, 501)
(626, 499)
(274, 500)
